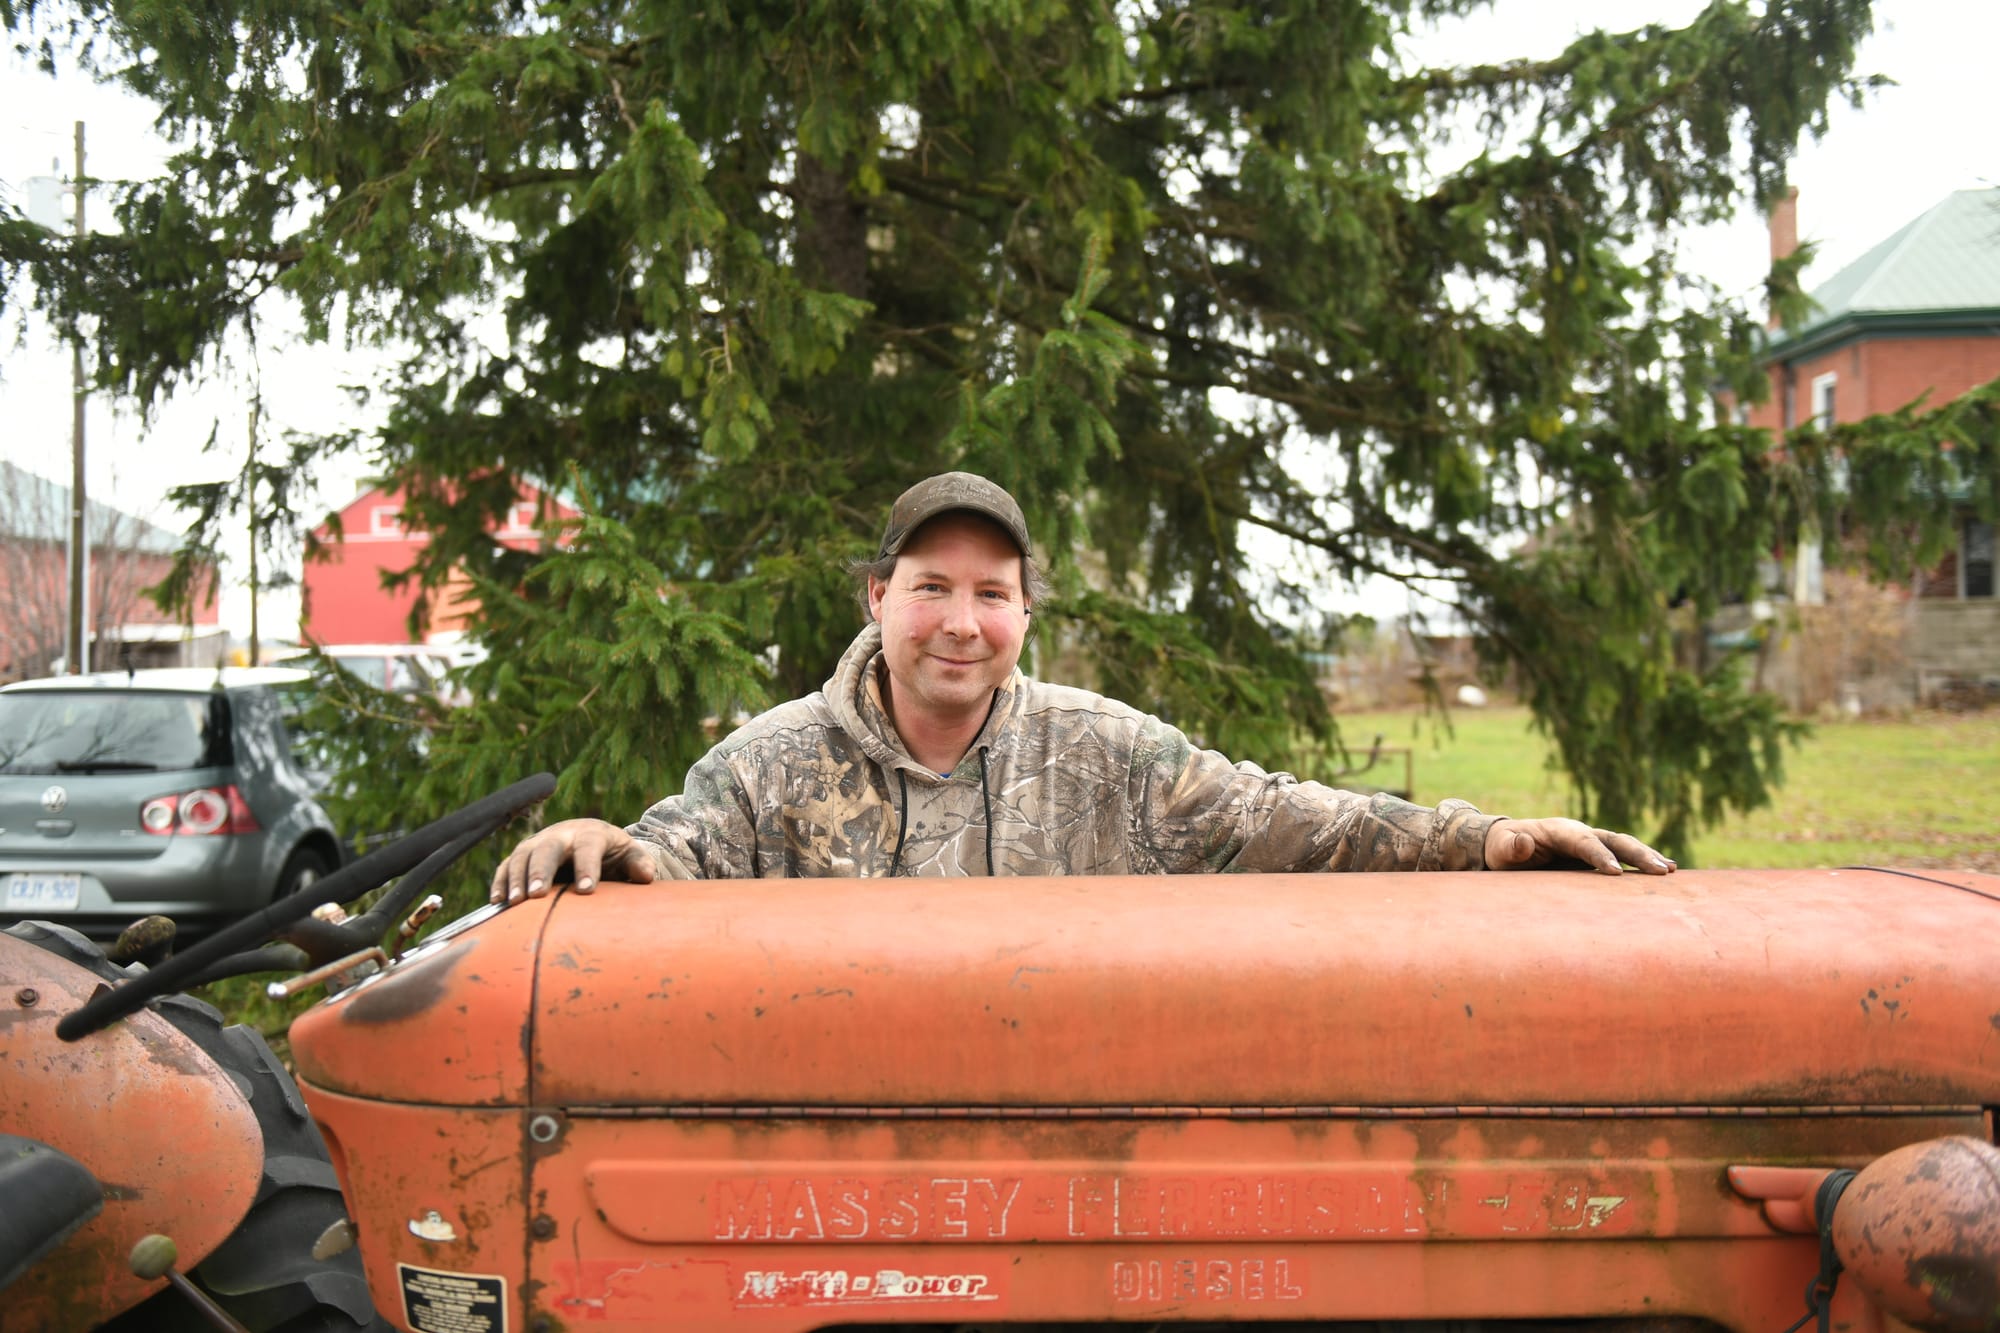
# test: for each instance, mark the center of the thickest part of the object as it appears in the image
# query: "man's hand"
(593, 850)
(1528, 844)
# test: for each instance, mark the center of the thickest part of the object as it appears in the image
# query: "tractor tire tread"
(263, 1273)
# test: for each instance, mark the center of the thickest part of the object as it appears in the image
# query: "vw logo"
(54, 799)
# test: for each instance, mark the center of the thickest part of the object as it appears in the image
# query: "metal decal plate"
(878, 1288)
(814, 1203)
(1326, 1204)
(437, 1301)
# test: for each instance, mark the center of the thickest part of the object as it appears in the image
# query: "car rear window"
(110, 731)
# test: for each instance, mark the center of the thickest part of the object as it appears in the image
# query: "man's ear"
(876, 587)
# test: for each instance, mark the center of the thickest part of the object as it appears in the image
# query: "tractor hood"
(1723, 989)
(447, 1024)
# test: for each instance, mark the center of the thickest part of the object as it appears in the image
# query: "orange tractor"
(1746, 1100)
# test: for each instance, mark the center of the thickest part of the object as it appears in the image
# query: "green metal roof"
(1938, 270)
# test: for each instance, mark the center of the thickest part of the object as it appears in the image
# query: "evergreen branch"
(1489, 78)
(626, 55)
(1380, 527)
(1192, 88)
(1318, 405)
(490, 184)
(939, 194)
(924, 347)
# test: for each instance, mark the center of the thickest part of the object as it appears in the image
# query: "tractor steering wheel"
(425, 852)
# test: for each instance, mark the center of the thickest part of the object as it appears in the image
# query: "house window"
(1975, 559)
(521, 518)
(1822, 400)
(386, 522)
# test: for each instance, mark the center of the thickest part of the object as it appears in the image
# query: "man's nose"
(960, 620)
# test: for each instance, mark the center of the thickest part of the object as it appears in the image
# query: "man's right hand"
(593, 849)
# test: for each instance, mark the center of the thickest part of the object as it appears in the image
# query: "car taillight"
(203, 810)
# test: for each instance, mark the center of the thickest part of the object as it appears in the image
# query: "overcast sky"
(1875, 170)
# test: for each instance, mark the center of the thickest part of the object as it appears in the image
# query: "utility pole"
(250, 503)
(76, 657)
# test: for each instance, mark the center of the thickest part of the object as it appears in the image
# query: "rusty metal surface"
(445, 1024)
(798, 1224)
(168, 1135)
(946, 1183)
(767, 1111)
(398, 1165)
(1752, 1286)
(785, 1106)
(628, 1223)
(1919, 1231)
(1720, 988)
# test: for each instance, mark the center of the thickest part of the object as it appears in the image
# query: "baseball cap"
(946, 493)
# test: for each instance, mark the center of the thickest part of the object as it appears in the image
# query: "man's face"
(953, 619)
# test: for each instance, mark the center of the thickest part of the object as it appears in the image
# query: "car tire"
(304, 866)
(264, 1273)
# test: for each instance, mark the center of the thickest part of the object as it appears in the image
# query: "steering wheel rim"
(465, 826)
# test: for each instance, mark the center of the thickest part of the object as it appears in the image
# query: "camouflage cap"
(944, 493)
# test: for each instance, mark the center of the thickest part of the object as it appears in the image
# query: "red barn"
(344, 600)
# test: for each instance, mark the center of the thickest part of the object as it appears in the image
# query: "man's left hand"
(1529, 844)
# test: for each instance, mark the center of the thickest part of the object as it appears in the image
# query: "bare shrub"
(1853, 651)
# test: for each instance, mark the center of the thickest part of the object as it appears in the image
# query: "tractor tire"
(264, 1274)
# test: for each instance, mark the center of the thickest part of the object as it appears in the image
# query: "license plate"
(32, 892)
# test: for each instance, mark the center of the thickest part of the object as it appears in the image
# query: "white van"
(400, 668)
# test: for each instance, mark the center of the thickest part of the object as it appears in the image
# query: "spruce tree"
(1194, 280)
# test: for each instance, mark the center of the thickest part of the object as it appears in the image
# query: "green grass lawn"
(1920, 791)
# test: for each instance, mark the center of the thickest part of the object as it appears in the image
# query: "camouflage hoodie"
(1059, 782)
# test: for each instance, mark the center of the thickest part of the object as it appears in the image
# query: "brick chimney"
(1784, 235)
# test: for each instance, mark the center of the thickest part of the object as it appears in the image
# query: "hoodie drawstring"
(902, 825)
(903, 819)
(986, 799)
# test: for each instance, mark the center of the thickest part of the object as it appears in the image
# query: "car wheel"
(264, 1274)
(302, 869)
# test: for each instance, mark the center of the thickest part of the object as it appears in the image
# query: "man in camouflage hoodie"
(929, 753)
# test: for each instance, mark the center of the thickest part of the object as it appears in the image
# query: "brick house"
(127, 556)
(1918, 314)
(343, 597)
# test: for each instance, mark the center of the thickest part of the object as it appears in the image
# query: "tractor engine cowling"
(791, 1104)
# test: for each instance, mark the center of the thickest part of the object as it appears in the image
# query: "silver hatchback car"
(174, 792)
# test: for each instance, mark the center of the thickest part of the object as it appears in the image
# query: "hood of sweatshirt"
(857, 694)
